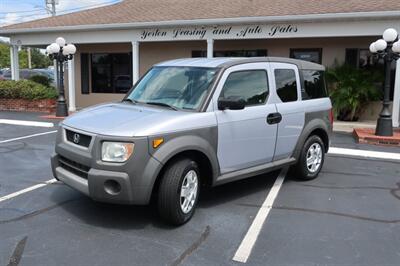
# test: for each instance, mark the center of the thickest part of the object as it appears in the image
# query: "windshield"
(178, 87)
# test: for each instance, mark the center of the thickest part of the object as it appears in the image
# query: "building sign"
(220, 32)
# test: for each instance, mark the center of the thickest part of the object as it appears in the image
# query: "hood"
(121, 119)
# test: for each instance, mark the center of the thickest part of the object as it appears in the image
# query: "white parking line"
(244, 250)
(29, 136)
(23, 191)
(26, 123)
(364, 153)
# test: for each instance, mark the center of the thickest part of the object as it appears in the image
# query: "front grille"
(78, 138)
(74, 167)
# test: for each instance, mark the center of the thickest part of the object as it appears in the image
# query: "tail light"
(331, 116)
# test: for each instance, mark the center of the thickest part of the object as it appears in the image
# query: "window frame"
(90, 66)
(250, 70)
(318, 50)
(298, 78)
(303, 93)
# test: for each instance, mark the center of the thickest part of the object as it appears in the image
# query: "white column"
(396, 97)
(71, 85)
(135, 61)
(210, 48)
(14, 62)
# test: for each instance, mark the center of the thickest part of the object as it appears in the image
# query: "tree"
(4, 55)
(39, 60)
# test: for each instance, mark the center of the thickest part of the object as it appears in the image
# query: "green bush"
(351, 88)
(25, 89)
(45, 81)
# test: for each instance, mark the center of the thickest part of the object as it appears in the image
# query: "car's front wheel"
(179, 191)
(311, 159)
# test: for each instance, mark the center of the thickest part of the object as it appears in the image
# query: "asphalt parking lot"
(350, 215)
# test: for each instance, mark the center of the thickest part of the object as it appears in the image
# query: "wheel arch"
(315, 127)
(194, 147)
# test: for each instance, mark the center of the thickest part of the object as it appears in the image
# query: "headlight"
(116, 151)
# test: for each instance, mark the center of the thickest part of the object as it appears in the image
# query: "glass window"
(250, 85)
(311, 55)
(314, 85)
(111, 73)
(286, 86)
(232, 53)
(180, 87)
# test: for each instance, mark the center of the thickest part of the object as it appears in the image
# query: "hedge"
(25, 89)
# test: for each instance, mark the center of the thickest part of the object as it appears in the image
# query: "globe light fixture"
(387, 49)
(60, 41)
(372, 48)
(61, 52)
(380, 45)
(390, 35)
(396, 47)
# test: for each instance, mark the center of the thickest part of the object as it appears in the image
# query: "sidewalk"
(341, 126)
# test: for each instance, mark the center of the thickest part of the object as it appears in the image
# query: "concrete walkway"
(341, 126)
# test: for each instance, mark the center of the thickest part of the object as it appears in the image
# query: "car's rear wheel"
(179, 191)
(311, 159)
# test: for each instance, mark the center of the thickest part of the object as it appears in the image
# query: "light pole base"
(61, 109)
(384, 127)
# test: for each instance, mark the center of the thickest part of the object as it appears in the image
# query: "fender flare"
(316, 123)
(185, 143)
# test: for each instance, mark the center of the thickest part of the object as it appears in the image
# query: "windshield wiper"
(130, 100)
(163, 104)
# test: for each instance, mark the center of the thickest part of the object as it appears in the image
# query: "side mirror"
(232, 103)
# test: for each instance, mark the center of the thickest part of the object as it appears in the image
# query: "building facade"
(117, 44)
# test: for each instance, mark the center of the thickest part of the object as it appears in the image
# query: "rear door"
(289, 106)
(245, 139)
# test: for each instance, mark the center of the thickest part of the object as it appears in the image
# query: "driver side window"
(250, 85)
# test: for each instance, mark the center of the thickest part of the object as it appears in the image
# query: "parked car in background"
(1, 74)
(123, 83)
(27, 73)
(195, 122)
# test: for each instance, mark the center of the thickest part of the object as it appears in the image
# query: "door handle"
(274, 118)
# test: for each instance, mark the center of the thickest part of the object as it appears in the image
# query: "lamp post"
(61, 52)
(387, 48)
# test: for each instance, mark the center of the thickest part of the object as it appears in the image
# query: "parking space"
(350, 215)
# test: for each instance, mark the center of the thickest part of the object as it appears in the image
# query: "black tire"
(169, 193)
(301, 171)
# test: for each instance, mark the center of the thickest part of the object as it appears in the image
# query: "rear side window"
(286, 86)
(314, 85)
(251, 85)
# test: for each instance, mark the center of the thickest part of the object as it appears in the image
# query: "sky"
(16, 11)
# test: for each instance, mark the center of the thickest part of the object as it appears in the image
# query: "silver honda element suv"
(190, 123)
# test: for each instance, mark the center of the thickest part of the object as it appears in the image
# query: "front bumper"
(101, 185)
(124, 183)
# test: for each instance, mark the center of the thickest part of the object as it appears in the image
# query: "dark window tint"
(314, 85)
(85, 73)
(232, 53)
(250, 85)
(111, 73)
(311, 55)
(286, 87)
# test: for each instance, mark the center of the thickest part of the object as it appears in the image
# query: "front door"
(245, 139)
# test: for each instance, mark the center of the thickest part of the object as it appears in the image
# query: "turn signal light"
(157, 142)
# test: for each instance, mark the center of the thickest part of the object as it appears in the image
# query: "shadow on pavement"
(128, 217)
